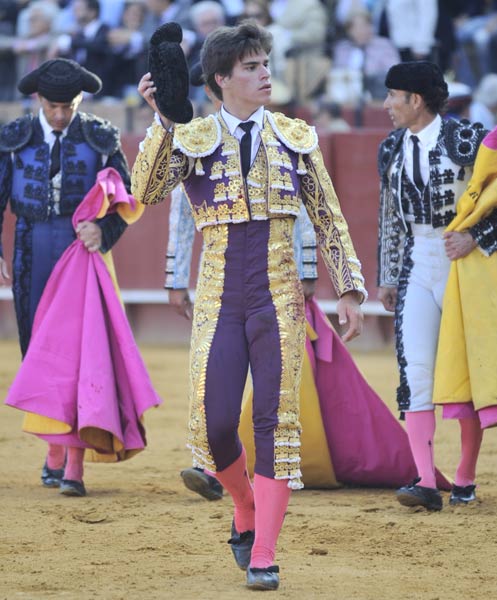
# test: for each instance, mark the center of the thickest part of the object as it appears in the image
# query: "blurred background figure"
(88, 45)
(411, 26)
(129, 51)
(35, 35)
(299, 29)
(475, 29)
(162, 11)
(327, 118)
(484, 106)
(8, 17)
(366, 54)
(459, 100)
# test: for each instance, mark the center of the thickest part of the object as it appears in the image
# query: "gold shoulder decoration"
(198, 138)
(294, 133)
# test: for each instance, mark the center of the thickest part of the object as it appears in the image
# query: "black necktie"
(416, 167)
(55, 155)
(246, 147)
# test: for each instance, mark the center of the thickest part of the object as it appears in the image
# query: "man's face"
(249, 85)
(59, 114)
(82, 13)
(400, 107)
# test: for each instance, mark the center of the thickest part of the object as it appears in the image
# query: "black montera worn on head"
(417, 77)
(60, 80)
(169, 71)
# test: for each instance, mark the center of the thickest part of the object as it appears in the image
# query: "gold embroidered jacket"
(288, 170)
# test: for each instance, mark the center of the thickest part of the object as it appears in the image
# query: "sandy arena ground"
(140, 534)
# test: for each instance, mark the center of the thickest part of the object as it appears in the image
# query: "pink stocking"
(271, 501)
(74, 464)
(56, 456)
(471, 437)
(421, 432)
(236, 480)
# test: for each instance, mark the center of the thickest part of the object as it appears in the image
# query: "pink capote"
(368, 446)
(83, 368)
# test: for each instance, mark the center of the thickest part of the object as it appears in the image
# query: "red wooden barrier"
(140, 254)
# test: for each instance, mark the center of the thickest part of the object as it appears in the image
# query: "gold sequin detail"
(157, 170)
(331, 228)
(207, 307)
(288, 301)
(200, 137)
(296, 134)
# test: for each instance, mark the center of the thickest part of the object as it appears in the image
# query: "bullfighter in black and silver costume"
(418, 200)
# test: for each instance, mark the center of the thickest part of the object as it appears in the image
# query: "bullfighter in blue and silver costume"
(44, 205)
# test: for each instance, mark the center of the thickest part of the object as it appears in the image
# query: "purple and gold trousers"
(249, 312)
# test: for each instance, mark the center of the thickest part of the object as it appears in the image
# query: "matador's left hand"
(349, 311)
(90, 234)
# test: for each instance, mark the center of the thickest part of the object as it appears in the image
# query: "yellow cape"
(466, 366)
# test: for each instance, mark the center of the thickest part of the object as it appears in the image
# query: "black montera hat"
(169, 71)
(60, 80)
(418, 77)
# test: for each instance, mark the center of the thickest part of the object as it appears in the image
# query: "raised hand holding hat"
(169, 72)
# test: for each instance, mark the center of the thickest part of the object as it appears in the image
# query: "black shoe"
(51, 477)
(418, 495)
(241, 546)
(462, 495)
(263, 579)
(197, 481)
(69, 487)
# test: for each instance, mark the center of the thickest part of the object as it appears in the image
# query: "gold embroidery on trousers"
(288, 301)
(207, 307)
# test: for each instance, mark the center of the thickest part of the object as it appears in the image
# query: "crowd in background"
(327, 54)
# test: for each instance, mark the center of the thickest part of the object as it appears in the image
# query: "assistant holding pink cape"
(83, 383)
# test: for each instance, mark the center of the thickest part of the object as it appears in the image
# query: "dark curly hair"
(226, 45)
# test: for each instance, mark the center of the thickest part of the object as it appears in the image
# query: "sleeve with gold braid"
(331, 228)
(158, 169)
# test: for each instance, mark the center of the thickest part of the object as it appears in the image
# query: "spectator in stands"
(484, 106)
(411, 26)
(301, 27)
(205, 16)
(327, 118)
(459, 100)
(32, 45)
(163, 11)
(474, 31)
(129, 48)
(89, 44)
(9, 12)
(365, 52)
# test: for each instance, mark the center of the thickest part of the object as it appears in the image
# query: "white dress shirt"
(233, 123)
(427, 140)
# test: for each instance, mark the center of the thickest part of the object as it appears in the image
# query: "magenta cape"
(367, 445)
(83, 369)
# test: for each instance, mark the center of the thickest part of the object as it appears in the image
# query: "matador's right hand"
(388, 297)
(147, 89)
(180, 301)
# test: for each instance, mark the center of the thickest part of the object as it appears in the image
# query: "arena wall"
(140, 255)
